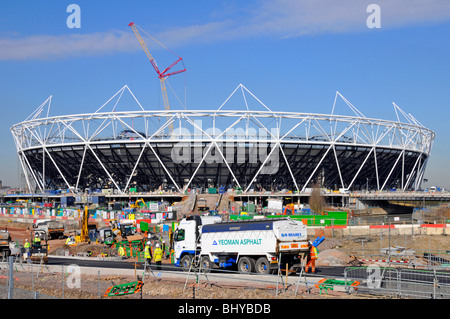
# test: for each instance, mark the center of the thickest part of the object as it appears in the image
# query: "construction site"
(222, 204)
(82, 236)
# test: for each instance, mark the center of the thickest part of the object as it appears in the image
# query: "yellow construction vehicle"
(136, 203)
(39, 248)
(85, 227)
(84, 237)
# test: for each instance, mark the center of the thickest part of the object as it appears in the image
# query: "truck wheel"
(186, 262)
(205, 264)
(246, 265)
(262, 266)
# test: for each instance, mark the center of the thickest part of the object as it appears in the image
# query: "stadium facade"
(248, 148)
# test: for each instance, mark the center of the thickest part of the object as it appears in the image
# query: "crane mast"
(161, 75)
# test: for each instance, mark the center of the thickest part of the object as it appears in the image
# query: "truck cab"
(202, 204)
(106, 236)
(5, 239)
(187, 238)
(127, 229)
(52, 228)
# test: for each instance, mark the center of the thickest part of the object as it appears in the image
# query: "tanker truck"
(251, 246)
(53, 228)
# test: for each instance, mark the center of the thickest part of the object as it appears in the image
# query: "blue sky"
(292, 54)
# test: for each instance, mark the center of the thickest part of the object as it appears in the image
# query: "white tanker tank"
(252, 246)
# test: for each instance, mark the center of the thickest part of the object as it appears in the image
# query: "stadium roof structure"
(247, 147)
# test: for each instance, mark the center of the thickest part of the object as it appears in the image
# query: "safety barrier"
(409, 283)
(42, 279)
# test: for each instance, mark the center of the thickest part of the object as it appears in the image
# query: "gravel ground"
(93, 287)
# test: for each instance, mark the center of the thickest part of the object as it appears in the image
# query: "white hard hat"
(157, 245)
(148, 243)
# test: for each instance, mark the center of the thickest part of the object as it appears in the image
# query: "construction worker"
(167, 252)
(36, 240)
(157, 255)
(121, 251)
(163, 248)
(70, 241)
(311, 260)
(148, 253)
(27, 247)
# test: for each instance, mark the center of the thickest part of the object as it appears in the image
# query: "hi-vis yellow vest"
(147, 252)
(158, 254)
(314, 254)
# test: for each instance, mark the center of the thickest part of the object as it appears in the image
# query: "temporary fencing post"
(302, 273)
(435, 283)
(99, 285)
(62, 273)
(31, 272)
(280, 275)
(11, 278)
(145, 271)
(19, 260)
(204, 273)
(187, 277)
(332, 228)
(287, 273)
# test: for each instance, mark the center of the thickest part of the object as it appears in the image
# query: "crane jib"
(171, 66)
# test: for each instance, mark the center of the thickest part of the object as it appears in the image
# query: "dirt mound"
(58, 247)
(94, 249)
(332, 257)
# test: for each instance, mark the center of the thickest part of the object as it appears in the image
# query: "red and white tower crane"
(161, 75)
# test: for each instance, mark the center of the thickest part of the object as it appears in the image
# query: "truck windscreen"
(179, 235)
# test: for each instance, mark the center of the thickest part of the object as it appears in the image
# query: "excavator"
(84, 237)
(136, 204)
(85, 227)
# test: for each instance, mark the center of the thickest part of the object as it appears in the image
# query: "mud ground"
(94, 287)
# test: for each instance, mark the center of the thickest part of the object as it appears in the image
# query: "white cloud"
(49, 46)
(288, 18)
(275, 18)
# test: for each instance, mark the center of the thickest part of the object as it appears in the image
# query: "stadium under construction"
(242, 145)
(250, 149)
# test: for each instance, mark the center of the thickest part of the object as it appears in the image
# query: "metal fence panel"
(405, 283)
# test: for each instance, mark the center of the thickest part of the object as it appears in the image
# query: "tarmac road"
(329, 272)
(170, 270)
